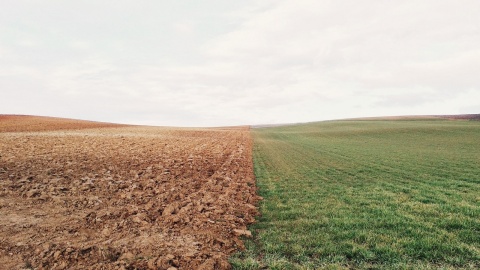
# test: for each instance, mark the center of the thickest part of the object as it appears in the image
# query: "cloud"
(403, 55)
(248, 62)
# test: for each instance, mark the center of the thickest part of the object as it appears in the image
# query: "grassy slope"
(367, 194)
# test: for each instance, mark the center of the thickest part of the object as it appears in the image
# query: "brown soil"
(124, 197)
(26, 123)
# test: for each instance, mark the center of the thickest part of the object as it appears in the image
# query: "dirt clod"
(87, 196)
(246, 233)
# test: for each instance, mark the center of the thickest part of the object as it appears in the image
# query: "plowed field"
(119, 197)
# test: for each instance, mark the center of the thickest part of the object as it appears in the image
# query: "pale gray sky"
(214, 63)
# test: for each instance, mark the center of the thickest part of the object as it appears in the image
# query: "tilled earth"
(124, 197)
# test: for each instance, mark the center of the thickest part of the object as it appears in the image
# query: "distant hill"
(475, 117)
(419, 117)
(28, 123)
(462, 116)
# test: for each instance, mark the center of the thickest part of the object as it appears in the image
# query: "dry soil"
(86, 195)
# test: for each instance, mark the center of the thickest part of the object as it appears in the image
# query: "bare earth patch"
(124, 197)
(29, 123)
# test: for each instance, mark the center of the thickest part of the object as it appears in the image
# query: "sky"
(223, 62)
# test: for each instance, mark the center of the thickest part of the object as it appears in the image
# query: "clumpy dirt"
(124, 197)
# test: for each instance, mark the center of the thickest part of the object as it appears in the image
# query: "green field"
(368, 195)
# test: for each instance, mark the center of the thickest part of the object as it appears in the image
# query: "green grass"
(367, 195)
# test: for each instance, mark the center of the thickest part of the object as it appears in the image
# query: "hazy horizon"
(228, 63)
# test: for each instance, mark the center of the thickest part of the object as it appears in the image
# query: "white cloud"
(254, 62)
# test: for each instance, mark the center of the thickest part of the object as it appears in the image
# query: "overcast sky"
(214, 63)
